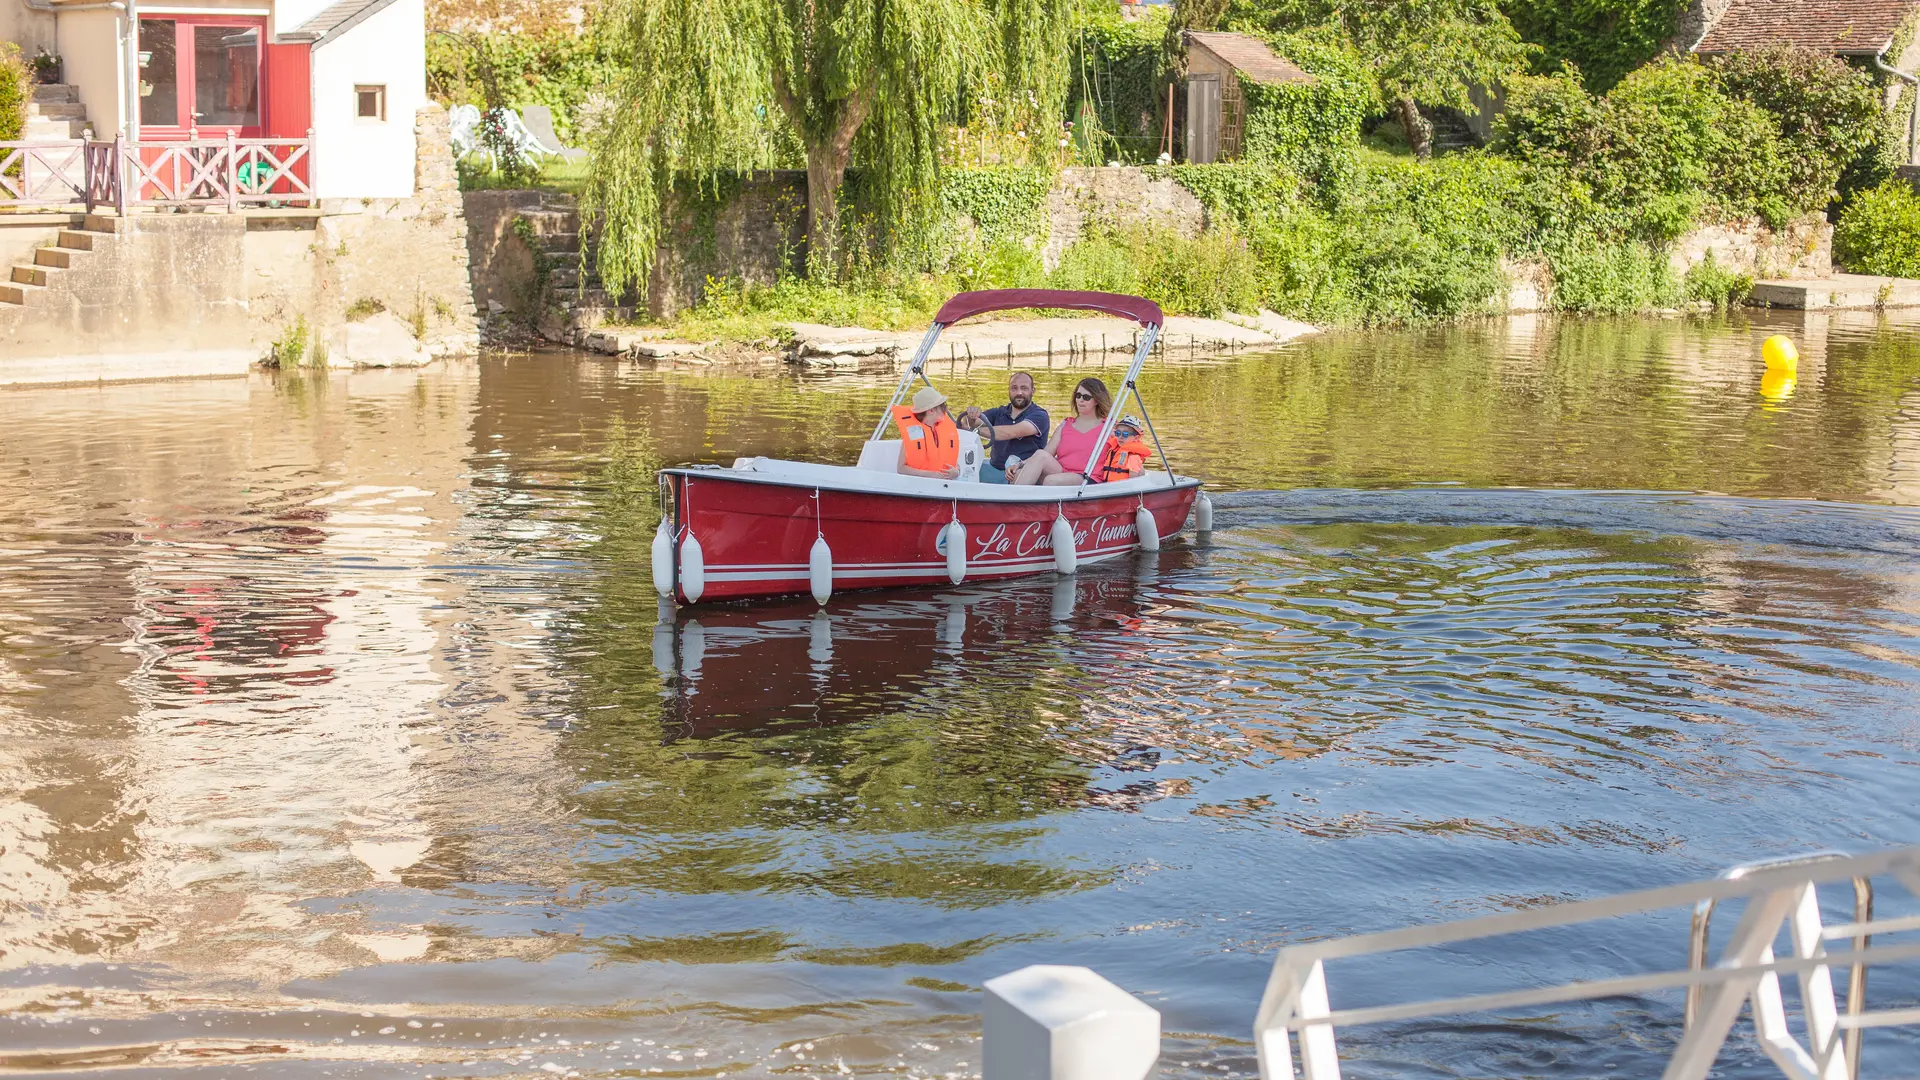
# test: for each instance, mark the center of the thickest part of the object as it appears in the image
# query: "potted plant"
(46, 68)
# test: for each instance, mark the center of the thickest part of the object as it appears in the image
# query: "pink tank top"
(1076, 447)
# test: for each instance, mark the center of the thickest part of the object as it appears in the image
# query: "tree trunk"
(825, 171)
(826, 168)
(1419, 131)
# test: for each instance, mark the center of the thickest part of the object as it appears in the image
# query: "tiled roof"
(336, 19)
(1832, 26)
(1251, 57)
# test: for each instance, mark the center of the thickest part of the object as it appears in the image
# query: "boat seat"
(881, 455)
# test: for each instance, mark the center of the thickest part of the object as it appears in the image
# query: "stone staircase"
(1451, 131)
(575, 304)
(55, 114)
(29, 285)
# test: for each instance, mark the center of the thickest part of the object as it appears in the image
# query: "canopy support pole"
(1094, 460)
(1148, 417)
(915, 367)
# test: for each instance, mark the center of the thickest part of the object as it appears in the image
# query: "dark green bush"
(1118, 102)
(1604, 39)
(1658, 152)
(1828, 114)
(16, 88)
(1311, 130)
(1879, 232)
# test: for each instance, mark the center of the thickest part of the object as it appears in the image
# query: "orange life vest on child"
(1122, 459)
(933, 446)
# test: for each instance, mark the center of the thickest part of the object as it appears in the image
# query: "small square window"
(370, 102)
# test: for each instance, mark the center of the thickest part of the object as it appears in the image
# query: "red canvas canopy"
(1144, 312)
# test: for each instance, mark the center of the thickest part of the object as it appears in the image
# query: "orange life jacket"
(1122, 460)
(934, 446)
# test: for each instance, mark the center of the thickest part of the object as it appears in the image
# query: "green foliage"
(16, 88)
(1600, 276)
(561, 67)
(1118, 94)
(1603, 39)
(1828, 113)
(364, 308)
(1879, 232)
(1208, 275)
(294, 345)
(1659, 151)
(1425, 51)
(1004, 203)
(1311, 130)
(1715, 284)
(710, 82)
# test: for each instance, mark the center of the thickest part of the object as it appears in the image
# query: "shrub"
(1311, 130)
(1120, 100)
(1660, 150)
(1206, 275)
(1611, 276)
(1709, 281)
(1828, 113)
(16, 88)
(364, 308)
(1605, 39)
(1879, 232)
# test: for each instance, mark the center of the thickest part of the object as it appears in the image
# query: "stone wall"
(759, 232)
(1804, 249)
(159, 284)
(408, 256)
(1114, 194)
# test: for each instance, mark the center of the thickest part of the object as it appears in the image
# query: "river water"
(344, 736)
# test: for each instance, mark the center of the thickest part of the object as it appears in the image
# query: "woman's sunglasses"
(1082, 395)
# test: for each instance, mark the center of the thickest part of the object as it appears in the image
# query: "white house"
(351, 72)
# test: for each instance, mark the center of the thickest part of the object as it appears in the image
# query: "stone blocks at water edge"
(1049, 1022)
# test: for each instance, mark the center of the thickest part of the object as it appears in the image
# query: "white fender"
(956, 552)
(693, 568)
(820, 570)
(663, 559)
(1147, 528)
(1065, 559)
(1203, 514)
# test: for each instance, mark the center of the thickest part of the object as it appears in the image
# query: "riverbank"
(1066, 340)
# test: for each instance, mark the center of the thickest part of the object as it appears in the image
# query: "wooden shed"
(1216, 108)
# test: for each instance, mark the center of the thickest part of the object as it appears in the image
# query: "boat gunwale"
(1079, 494)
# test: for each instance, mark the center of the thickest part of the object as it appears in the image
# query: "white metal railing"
(228, 171)
(1779, 895)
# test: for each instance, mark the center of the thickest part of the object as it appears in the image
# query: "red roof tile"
(1250, 56)
(1831, 26)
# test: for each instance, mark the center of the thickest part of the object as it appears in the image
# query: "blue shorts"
(991, 475)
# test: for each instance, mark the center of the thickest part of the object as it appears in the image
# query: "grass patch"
(561, 175)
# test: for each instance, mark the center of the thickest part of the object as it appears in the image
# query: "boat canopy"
(966, 304)
(1139, 309)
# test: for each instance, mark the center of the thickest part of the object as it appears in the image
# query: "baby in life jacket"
(1126, 455)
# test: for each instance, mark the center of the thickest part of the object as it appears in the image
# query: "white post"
(1049, 1022)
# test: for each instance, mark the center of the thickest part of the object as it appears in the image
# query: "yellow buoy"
(1776, 385)
(1780, 355)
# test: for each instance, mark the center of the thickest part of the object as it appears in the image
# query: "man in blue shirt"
(1015, 429)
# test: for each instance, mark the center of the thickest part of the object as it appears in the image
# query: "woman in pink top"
(1068, 453)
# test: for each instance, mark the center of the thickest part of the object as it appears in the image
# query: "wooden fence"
(230, 172)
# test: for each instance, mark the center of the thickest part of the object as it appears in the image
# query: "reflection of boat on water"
(755, 667)
(768, 527)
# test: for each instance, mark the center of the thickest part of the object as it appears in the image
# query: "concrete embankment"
(1076, 340)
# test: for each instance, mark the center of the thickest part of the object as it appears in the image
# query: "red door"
(201, 74)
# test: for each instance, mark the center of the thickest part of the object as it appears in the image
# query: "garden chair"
(539, 121)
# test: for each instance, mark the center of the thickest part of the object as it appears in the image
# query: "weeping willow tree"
(715, 86)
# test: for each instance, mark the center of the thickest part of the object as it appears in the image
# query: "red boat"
(767, 527)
